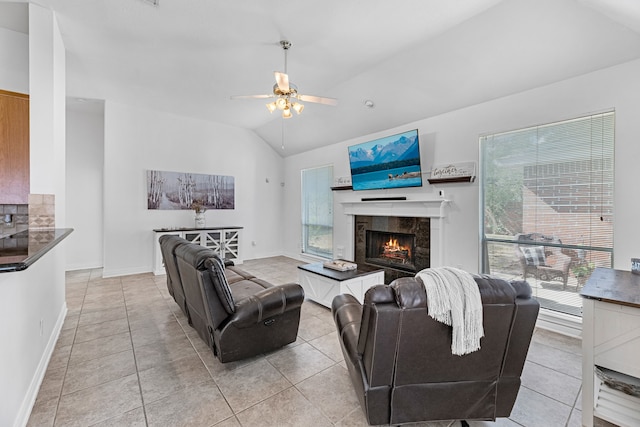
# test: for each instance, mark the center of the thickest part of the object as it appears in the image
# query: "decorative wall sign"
(181, 190)
(454, 172)
(342, 183)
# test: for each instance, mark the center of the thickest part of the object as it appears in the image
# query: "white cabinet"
(223, 241)
(611, 341)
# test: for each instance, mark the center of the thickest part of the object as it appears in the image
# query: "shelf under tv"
(455, 179)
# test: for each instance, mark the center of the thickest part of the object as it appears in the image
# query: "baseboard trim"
(106, 273)
(560, 323)
(34, 387)
(76, 267)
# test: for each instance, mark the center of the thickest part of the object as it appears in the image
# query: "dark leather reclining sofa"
(235, 313)
(400, 362)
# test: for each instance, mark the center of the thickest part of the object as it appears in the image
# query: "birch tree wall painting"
(178, 190)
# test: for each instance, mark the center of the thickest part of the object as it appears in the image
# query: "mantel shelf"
(432, 208)
(449, 180)
(400, 202)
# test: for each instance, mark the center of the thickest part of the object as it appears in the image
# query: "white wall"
(453, 137)
(14, 61)
(85, 160)
(32, 306)
(27, 298)
(137, 140)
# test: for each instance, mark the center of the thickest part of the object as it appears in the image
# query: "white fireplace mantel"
(435, 209)
(427, 208)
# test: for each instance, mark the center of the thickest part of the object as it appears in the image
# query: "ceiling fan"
(286, 93)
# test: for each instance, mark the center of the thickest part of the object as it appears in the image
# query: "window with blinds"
(547, 205)
(317, 211)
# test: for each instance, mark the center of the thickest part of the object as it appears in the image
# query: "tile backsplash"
(42, 211)
(13, 219)
(39, 214)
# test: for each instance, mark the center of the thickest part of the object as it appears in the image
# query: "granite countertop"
(614, 286)
(164, 230)
(20, 250)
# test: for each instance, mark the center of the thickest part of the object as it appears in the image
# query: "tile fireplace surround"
(403, 240)
(434, 209)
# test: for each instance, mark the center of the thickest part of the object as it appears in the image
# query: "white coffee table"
(322, 284)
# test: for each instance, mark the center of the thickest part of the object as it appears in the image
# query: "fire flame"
(392, 244)
(394, 251)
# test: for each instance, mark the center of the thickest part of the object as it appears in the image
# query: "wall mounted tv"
(389, 162)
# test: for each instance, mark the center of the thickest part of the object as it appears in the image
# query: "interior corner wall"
(59, 125)
(137, 140)
(453, 137)
(84, 172)
(46, 104)
(32, 306)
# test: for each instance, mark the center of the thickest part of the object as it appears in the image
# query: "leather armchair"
(400, 361)
(168, 245)
(235, 313)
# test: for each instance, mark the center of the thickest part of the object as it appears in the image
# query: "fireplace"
(399, 245)
(390, 249)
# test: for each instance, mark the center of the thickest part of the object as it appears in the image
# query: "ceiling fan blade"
(318, 99)
(251, 96)
(283, 81)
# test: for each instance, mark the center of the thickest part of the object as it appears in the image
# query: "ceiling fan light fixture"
(285, 93)
(297, 107)
(281, 103)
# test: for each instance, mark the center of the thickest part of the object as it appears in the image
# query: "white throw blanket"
(453, 298)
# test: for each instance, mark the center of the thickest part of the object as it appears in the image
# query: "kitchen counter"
(20, 250)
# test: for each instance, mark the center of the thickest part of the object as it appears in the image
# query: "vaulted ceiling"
(412, 58)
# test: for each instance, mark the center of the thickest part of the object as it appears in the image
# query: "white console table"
(611, 340)
(322, 284)
(225, 241)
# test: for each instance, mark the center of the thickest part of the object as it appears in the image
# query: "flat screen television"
(389, 162)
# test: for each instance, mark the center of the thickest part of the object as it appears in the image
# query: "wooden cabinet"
(14, 148)
(224, 242)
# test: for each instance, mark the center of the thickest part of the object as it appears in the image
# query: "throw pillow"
(534, 255)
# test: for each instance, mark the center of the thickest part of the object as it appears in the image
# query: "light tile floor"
(127, 357)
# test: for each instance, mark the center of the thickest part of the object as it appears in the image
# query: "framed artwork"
(182, 190)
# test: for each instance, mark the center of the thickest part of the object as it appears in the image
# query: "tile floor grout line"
(66, 367)
(554, 370)
(135, 360)
(551, 398)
